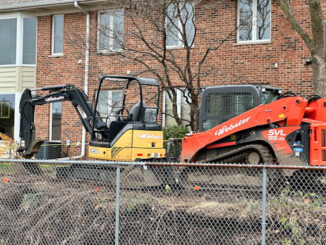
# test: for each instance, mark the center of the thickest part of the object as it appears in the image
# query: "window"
(8, 38)
(7, 114)
(55, 121)
(108, 103)
(18, 41)
(29, 40)
(111, 31)
(183, 109)
(57, 34)
(254, 20)
(178, 15)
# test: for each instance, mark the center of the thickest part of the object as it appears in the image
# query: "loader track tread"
(227, 157)
(234, 156)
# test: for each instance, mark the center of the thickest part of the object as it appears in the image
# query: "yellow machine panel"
(147, 139)
(132, 145)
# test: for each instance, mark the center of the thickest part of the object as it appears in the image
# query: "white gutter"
(83, 146)
(43, 4)
(31, 5)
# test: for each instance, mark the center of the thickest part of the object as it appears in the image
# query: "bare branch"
(286, 7)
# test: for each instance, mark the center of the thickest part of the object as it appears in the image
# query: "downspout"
(83, 146)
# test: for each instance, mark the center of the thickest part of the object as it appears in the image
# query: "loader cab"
(126, 103)
(221, 103)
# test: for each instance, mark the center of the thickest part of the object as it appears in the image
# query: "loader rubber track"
(236, 179)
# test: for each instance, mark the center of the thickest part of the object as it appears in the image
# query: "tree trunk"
(193, 113)
(319, 75)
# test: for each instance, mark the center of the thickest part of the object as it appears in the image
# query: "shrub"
(174, 132)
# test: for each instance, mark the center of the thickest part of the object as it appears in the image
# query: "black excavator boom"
(78, 99)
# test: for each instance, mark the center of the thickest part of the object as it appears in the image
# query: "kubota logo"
(149, 136)
(232, 126)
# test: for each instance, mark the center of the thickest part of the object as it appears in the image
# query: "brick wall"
(278, 63)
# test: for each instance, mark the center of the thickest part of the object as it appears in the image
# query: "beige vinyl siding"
(28, 77)
(16, 79)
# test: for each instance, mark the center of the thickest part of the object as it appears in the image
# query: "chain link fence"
(93, 202)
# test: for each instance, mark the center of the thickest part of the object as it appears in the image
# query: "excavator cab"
(131, 107)
(221, 103)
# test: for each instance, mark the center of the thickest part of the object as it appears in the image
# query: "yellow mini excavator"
(130, 131)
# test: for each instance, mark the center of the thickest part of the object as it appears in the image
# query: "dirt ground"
(49, 211)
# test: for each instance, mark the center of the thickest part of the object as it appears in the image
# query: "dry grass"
(48, 211)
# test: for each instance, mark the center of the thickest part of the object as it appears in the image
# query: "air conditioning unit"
(49, 150)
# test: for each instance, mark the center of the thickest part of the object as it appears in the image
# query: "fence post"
(117, 206)
(263, 219)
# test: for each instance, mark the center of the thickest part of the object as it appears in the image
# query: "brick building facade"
(279, 59)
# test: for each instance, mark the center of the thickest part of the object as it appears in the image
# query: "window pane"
(104, 31)
(29, 43)
(8, 30)
(245, 25)
(7, 114)
(117, 98)
(111, 30)
(109, 102)
(103, 101)
(56, 120)
(185, 109)
(58, 34)
(172, 21)
(188, 17)
(169, 118)
(118, 30)
(263, 19)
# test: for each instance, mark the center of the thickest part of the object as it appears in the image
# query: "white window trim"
(254, 29)
(19, 38)
(180, 44)
(52, 38)
(112, 16)
(50, 124)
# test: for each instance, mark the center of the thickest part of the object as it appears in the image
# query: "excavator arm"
(90, 119)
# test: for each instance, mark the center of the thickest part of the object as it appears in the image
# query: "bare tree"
(315, 43)
(160, 36)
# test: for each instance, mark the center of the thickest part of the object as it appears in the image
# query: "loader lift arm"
(78, 99)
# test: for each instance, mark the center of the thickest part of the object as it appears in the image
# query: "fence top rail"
(232, 165)
(158, 164)
(70, 162)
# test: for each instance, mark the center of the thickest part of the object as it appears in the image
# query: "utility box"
(49, 150)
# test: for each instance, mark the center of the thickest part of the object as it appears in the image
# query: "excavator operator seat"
(135, 111)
